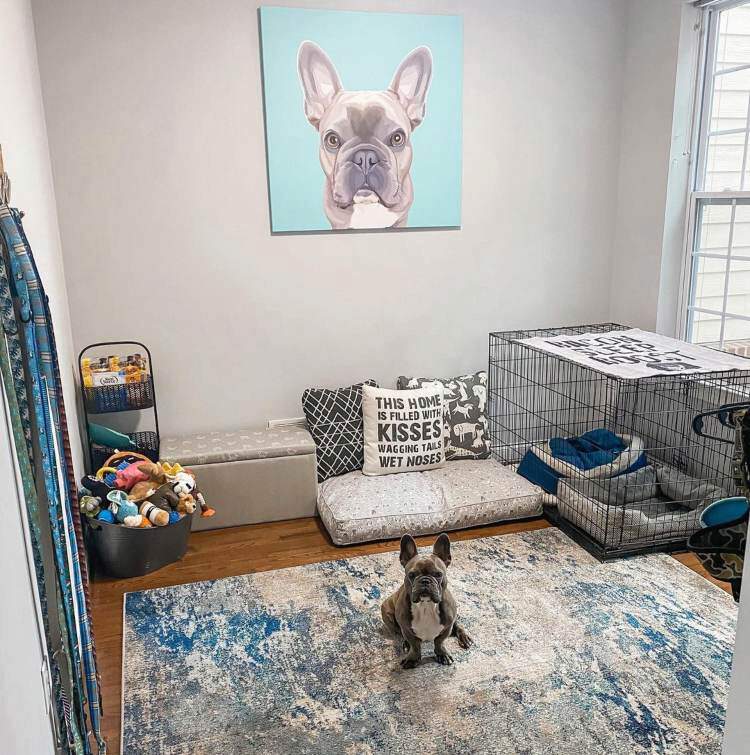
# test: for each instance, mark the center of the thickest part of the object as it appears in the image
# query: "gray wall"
(154, 112)
(658, 83)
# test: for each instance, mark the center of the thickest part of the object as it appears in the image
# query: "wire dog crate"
(651, 496)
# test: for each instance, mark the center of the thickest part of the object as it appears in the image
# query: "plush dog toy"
(105, 515)
(109, 473)
(164, 497)
(125, 511)
(171, 470)
(95, 486)
(135, 472)
(186, 504)
(168, 487)
(185, 482)
(90, 506)
(154, 477)
(158, 517)
(167, 500)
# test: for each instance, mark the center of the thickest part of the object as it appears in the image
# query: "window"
(718, 301)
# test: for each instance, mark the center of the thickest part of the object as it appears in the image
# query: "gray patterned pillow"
(464, 413)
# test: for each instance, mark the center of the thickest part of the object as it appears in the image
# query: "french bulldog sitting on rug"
(423, 608)
(365, 138)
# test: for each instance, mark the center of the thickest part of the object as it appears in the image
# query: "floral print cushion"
(356, 508)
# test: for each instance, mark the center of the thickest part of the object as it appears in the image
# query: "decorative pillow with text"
(403, 429)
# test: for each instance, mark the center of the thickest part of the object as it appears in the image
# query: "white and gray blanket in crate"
(655, 503)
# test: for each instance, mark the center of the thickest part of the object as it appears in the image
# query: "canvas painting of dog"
(363, 119)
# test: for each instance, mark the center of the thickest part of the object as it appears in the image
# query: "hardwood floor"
(243, 550)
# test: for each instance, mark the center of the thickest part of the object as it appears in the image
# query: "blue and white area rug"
(571, 656)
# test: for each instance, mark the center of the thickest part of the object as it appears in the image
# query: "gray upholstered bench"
(249, 476)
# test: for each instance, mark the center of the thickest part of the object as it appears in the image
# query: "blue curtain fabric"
(31, 380)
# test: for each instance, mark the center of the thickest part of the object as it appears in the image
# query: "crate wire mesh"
(535, 396)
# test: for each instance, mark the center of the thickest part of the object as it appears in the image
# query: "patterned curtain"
(31, 381)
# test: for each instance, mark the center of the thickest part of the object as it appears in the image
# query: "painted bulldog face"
(365, 137)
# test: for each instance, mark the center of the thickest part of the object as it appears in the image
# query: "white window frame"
(697, 198)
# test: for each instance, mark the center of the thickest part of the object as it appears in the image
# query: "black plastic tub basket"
(146, 443)
(122, 397)
(123, 552)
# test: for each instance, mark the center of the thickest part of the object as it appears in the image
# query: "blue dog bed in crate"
(597, 454)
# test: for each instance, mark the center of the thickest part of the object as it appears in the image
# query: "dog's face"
(365, 137)
(426, 576)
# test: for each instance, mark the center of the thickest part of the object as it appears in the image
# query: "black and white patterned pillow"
(334, 418)
(464, 405)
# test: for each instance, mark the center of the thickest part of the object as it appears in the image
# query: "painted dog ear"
(442, 548)
(411, 82)
(319, 79)
(408, 549)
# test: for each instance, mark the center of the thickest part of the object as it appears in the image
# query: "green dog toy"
(90, 506)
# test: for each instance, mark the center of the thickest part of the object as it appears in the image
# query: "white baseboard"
(287, 422)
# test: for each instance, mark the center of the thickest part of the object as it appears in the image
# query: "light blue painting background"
(366, 49)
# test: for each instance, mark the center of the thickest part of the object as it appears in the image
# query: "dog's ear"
(408, 549)
(411, 82)
(320, 82)
(442, 548)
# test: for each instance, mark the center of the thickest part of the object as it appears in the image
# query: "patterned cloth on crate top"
(632, 354)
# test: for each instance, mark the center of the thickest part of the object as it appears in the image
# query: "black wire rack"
(125, 397)
(627, 508)
(117, 398)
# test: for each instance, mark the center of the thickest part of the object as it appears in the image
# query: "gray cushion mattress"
(356, 508)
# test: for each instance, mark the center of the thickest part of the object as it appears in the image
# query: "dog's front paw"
(464, 639)
(409, 662)
(444, 658)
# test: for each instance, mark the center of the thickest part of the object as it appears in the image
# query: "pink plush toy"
(126, 478)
